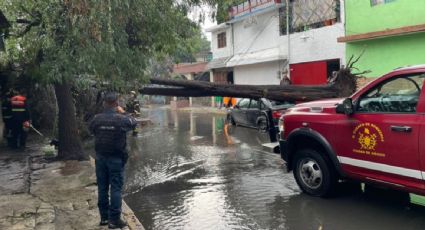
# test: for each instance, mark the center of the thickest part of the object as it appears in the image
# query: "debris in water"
(195, 138)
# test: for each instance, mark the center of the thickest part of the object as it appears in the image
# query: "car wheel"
(262, 125)
(313, 174)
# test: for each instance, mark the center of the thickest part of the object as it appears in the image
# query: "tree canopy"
(109, 40)
(222, 10)
(63, 42)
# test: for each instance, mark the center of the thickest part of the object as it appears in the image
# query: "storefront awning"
(266, 55)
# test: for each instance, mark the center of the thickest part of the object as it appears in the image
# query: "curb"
(128, 214)
(133, 222)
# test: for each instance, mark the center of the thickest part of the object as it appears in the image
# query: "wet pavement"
(39, 194)
(14, 172)
(191, 171)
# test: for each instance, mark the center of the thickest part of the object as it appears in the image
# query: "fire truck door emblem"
(368, 137)
(367, 140)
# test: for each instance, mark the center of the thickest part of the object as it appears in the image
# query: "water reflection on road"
(191, 171)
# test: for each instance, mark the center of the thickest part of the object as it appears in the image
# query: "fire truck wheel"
(314, 174)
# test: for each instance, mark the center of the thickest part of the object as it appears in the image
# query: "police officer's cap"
(110, 97)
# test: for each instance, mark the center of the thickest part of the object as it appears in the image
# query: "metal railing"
(248, 6)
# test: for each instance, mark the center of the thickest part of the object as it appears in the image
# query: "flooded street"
(190, 171)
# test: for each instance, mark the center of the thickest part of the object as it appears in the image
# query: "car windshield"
(272, 104)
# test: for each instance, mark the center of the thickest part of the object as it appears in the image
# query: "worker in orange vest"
(226, 101)
(233, 102)
(20, 122)
(229, 102)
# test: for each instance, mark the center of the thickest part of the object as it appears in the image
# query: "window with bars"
(307, 14)
(379, 2)
(221, 40)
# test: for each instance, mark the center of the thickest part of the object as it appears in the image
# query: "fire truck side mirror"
(346, 107)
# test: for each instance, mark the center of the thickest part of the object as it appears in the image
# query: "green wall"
(361, 17)
(385, 54)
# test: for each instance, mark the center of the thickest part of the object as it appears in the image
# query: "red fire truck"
(377, 136)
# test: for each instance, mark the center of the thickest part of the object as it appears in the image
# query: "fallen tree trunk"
(281, 93)
(343, 84)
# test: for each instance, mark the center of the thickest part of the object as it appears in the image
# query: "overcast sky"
(207, 21)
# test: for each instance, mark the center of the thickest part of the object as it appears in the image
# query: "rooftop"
(187, 68)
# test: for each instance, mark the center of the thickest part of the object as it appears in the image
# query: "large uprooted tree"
(342, 85)
(67, 42)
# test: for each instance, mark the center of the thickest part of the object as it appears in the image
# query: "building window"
(379, 2)
(221, 40)
(307, 14)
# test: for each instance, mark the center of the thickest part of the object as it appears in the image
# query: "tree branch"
(357, 59)
(23, 21)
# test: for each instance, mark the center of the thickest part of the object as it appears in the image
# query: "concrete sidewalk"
(37, 194)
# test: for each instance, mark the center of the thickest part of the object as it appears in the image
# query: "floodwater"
(191, 171)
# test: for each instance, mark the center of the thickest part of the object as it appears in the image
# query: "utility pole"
(289, 40)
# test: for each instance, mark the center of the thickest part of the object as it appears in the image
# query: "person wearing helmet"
(20, 122)
(133, 106)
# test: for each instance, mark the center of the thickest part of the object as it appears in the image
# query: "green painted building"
(392, 33)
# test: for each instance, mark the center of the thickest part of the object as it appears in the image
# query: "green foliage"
(107, 41)
(223, 6)
(195, 45)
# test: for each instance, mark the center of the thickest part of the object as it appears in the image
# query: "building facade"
(391, 33)
(259, 51)
(222, 51)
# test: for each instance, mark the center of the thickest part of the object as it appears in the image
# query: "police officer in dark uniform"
(110, 129)
(6, 111)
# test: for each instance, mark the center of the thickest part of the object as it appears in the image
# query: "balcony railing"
(250, 6)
